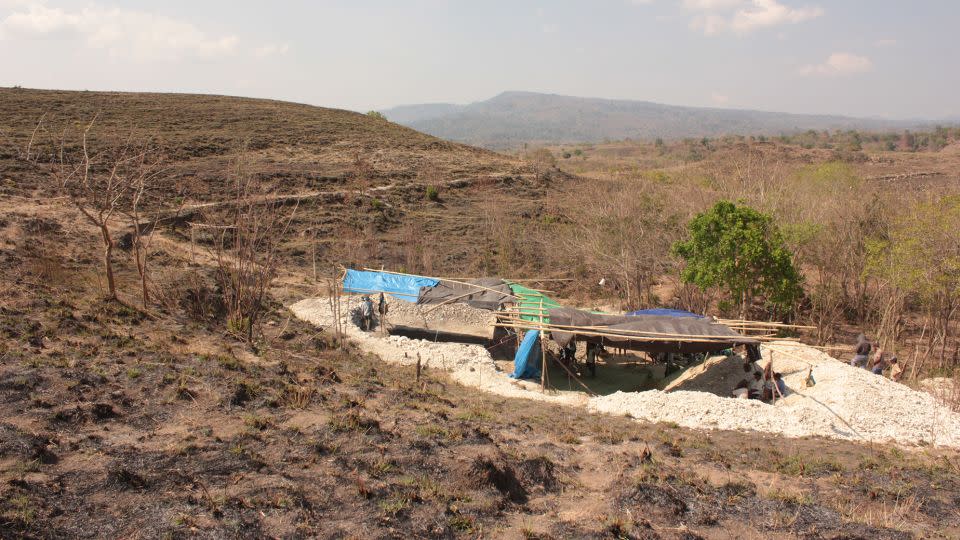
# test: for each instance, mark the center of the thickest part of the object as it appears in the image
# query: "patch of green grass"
(134, 373)
(20, 508)
(462, 524)
(436, 431)
(224, 361)
(394, 504)
(476, 415)
(790, 497)
(798, 465)
(352, 421)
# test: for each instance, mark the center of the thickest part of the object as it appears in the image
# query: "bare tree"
(96, 184)
(246, 251)
(150, 188)
(542, 160)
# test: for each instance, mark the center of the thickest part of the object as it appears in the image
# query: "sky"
(876, 58)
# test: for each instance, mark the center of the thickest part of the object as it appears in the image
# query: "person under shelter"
(366, 314)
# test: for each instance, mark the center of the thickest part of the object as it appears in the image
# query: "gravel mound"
(430, 315)
(845, 403)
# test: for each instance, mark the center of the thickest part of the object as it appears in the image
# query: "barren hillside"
(119, 420)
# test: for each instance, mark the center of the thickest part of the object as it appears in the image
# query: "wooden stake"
(543, 353)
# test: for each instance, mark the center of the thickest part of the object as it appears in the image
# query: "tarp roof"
(694, 335)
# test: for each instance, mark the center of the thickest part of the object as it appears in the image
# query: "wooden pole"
(449, 300)
(444, 279)
(543, 353)
(639, 333)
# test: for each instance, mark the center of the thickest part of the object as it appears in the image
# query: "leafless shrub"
(246, 249)
(98, 183)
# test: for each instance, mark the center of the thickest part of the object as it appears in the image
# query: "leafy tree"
(740, 250)
(376, 114)
(921, 258)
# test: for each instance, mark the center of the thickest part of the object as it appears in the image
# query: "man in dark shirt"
(862, 353)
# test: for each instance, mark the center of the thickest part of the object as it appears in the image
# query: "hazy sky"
(865, 58)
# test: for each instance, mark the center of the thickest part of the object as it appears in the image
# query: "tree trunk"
(141, 269)
(108, 261)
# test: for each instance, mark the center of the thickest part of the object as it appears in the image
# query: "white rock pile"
(845, 403)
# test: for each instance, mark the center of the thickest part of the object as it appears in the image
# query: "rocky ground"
(846, 402)
(119, 422)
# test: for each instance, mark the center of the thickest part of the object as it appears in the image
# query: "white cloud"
(272, 49)
(839, 63)
(121, 32)
(710, 5)
(741, 16)
(719, 99)
(709, 24)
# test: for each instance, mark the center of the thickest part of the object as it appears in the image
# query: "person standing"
(382, 312)
(862, 353)
(366, 314)
(878, 364)
(896, 370)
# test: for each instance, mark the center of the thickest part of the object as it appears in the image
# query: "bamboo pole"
(745, 322)
(788, 353)
(449, 300)
(643, 333)
(670, 338)
(443, 279)
(543, 354)
(629, 337)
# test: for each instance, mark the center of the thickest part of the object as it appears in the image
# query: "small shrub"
(433, 194)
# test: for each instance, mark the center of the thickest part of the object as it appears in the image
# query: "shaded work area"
(556, 345)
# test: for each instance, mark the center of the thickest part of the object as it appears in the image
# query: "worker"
(896, 370)
(862, 353)
(877, 365)
(568, 354)
(593, 349)
(781, 386)
(366, 314)
(756, 386)
(742, 390)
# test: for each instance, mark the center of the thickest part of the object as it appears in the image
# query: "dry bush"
(188, 291)
(246, 249)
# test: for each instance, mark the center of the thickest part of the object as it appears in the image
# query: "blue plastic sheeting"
(665, 312)
(400, 287)
(525, 364)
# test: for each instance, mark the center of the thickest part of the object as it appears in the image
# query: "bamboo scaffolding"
(573, 328)
(449, 300)
(745, 322)
(671, 338)
(629, 337)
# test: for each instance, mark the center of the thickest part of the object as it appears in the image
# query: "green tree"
(740, 250)
(376, 114)
(921, 258)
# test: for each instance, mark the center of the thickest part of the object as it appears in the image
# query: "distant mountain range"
(514, 118)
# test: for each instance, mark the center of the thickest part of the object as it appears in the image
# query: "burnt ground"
(122, 423)
(116, 422)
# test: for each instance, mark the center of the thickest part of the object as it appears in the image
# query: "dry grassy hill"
(118, 421)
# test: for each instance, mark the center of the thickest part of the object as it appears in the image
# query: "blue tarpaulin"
(525, 362)
(401, 287)
(665, 312)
